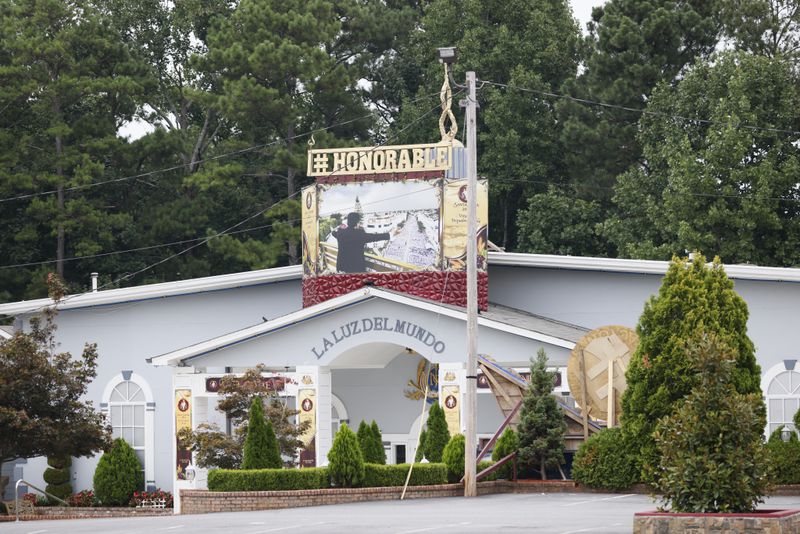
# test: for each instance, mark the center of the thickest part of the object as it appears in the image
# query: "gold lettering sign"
(451, 401)
(183, 419)
(307, 404)
(454, 224)
(378, 160)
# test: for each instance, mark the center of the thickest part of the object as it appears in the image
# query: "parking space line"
(599, 500)
(438, 527)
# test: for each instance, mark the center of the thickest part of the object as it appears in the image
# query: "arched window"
(128, 403)
(782, 389)
(338, 414)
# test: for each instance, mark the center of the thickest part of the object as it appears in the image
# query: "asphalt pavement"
(556, 513)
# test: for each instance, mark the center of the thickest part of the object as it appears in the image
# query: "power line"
(205, 160)
(638, 110)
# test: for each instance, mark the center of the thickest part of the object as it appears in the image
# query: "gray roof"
(7, 331)
(534, 323)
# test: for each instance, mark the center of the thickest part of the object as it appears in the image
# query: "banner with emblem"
(183, 419)
(454, 224)
(307, 404)
(451, 399)
(310, 236)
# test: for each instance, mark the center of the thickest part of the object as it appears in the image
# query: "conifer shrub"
(420, 454)
(377, 452)
(607, 461)
(541, 423)
(57, 476)
(507, 443)
(710, 448)
(268, 479)
(783, 458)
(693, 299)
(118, 475)
(437, 435)
(453, 457)
(345, 461)
(485, 464)
(260, 447)
(364, 436)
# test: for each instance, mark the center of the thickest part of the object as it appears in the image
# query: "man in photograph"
(352, 239)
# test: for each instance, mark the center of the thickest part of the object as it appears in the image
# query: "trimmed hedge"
(376, 475)
(268, 479)
(607, 461)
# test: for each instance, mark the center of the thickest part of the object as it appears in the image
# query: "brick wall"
(778, 522)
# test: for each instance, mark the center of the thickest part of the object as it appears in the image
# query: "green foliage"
(437, 434)
(364, 435)
(485, 464)
(717, 188)
(212, 447)
(796, 419)
(58, 477)
(453, 457)
(377, 452)
(711, 453)
(377, 475)
(607, 461)
(507, 443)
(541, 428)
(345, 462)
(783, 458)
(421, 446)
(693, 299)
(118, 475)
(268, 479)
(42, 406)
(260, 446)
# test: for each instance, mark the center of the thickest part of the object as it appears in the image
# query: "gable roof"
(547, 331)
(294, 272)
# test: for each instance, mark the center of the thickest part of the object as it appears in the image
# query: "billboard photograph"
(379, 226)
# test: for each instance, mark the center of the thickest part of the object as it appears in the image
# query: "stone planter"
(762, 521)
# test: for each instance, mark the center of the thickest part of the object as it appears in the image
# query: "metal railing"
(40, 490)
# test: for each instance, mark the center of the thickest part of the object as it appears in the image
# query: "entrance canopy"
(369, 327)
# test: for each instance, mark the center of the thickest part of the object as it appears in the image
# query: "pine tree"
(345, 461)
(693, 299)
(377, 452)
(420, 454)
(541, 428)
(260, 447)
(506, 444)
(438, 434)
(364, 436)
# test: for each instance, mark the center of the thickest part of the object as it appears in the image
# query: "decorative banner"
(310, 237)
(307, 403)
(452, 411)
(418, 386)
(272, 383)
(183, 419)
(454, 224)
(376, 160)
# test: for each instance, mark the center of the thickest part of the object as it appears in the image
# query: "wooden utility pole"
(471, 397)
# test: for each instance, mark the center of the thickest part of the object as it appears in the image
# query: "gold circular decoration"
(604, 346)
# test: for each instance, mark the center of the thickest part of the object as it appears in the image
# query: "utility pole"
(471, 397)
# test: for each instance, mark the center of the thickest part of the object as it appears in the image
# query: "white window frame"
(766, 381)
(149, 419)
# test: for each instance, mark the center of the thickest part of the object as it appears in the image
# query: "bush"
(506, 444)
(438, 435)
(58, 476)
(364, 435)
(150, 498)
(376, 475)
(606, 461)
(712, 459)
(268, 479)
(485, 464)
(453, 457)
(260, 447)
(377, 452)
(783, 458)
(345, 462)
(83, 499)
(118, 475)
(420, 454)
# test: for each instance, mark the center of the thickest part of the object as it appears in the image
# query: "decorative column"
(324, 432)
(314, 402)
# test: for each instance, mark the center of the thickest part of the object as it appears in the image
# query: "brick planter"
(77, 512)
(765, 521)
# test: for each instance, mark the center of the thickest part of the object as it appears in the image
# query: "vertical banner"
(452, 411)
(454, 225)
(183, 419)
(310, 235)
(307, 401)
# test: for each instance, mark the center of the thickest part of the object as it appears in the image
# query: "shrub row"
(376, 475)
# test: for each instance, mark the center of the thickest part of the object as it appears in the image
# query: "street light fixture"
(448, 55)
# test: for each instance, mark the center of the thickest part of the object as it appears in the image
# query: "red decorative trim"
(448, 288)
(382, 177)
(759, 513)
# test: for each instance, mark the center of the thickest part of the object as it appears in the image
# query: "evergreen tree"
(420, 454)
(377, 452)
(260, 447)
(711, 454)
(438, 434)
(364, 435)
(453, 457)
(541, 427)
(345, 461)
(506, 444)
(693, 299)
(118, 475)
(58, 477)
